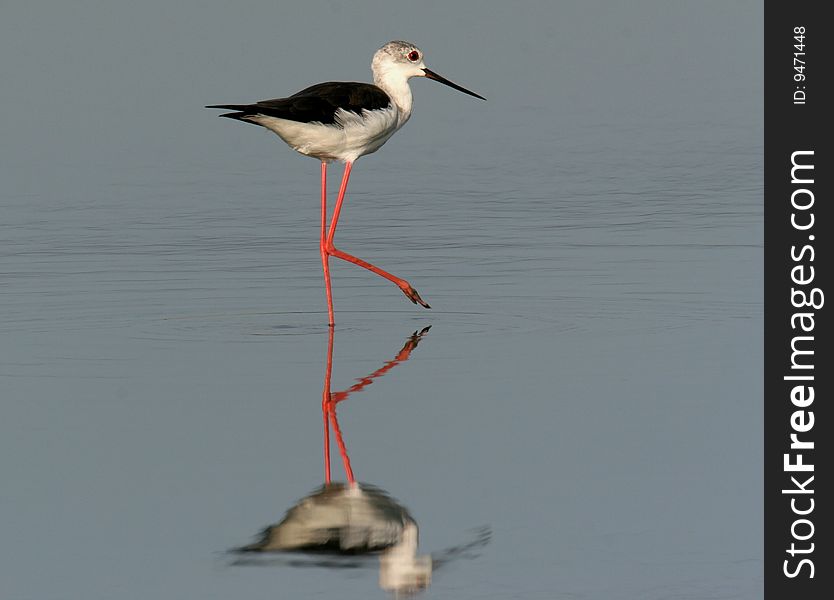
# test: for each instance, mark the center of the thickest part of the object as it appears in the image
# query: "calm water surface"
(582, 419)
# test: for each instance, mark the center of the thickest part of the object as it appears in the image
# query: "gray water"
(590, 240)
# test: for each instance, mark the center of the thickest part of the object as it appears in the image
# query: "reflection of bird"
(343, 121)
(353, 518)
(340, 523)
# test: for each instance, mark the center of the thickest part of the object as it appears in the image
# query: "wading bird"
(341, 121)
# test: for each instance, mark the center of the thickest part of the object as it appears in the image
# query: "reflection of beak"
(401, 569)
(436, 77)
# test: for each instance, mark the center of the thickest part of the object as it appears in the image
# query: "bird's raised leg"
(325, 262)
(331, 250)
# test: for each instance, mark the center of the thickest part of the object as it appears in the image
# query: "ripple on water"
(258, 325)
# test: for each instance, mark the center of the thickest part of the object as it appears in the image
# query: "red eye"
(413, 56)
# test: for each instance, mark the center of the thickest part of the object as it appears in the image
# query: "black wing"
(316, 103)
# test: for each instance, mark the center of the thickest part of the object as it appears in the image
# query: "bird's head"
(403, 60)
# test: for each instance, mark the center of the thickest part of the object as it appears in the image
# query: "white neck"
(393, 83)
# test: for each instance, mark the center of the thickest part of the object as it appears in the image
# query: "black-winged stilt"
(341, 121)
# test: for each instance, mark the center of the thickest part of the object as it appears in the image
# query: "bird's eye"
(413, 56)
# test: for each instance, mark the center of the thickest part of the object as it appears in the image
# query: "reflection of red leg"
(324, 412)
(326, 405)
(331, 250)
(325, 262)
(329, 399)
(342, 449)
(328, 412)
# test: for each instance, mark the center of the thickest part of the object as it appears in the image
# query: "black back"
(315, 103)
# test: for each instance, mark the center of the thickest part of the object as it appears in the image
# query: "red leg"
(331, 233)
(331, 250)
(325, 262)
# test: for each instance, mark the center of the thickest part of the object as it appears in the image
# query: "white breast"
(349, 138)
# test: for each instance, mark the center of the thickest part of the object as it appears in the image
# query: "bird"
(342, 121)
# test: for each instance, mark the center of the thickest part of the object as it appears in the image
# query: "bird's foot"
(412, 295)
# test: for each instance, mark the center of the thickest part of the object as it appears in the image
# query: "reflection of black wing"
(468, 550)
(301, 561)
(482, 536)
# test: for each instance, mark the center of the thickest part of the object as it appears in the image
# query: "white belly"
(349, 138)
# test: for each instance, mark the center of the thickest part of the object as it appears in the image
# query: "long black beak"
(436, 77)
